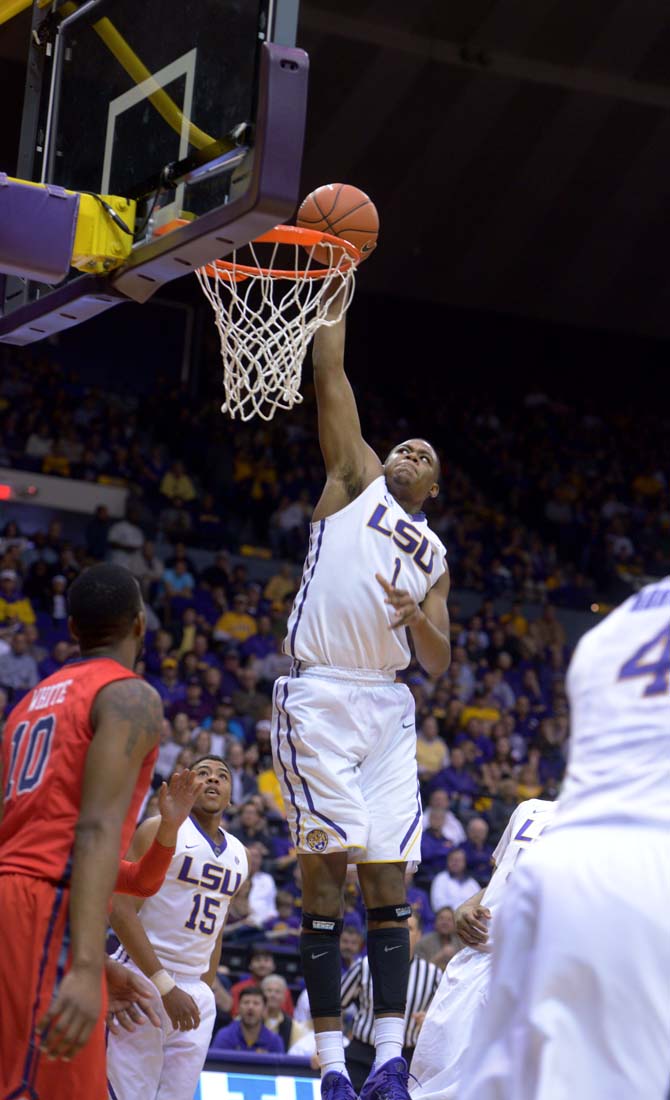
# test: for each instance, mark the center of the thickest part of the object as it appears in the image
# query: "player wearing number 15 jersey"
(344, 738)
(174, 938)
(580, 995)
(77, 756)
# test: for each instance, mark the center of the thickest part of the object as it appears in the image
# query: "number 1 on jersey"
(659, 669)
(396, 571)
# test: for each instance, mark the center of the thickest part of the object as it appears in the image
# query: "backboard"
(194, 109)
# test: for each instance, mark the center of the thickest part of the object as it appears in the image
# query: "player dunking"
(580, 996)
(77, 756)
(344, 741)
(174, 938)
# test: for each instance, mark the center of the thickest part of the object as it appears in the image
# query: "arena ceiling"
(518, 151)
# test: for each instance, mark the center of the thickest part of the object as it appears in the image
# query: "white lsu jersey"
(524, 827)
(339, 617)
(184, 918)
(618, 683)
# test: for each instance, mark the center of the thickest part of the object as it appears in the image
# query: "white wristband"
(163, 982)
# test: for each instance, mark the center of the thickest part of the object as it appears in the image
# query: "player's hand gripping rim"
(405, 606)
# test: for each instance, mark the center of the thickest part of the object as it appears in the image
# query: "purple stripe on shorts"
(414, 824)
(308, 795)
(33, 1055)
(322, 527)
(283, 768)
(63, 955)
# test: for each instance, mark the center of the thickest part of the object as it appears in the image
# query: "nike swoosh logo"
(320, 956)
(192, 845)
(396, 948)
(406, 725)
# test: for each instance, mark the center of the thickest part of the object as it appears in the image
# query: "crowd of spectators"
(585, 495)
(539, 501)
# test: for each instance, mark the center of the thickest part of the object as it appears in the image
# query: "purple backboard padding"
(271, 198)
(37, 228)
(272, 195)
(69, 305)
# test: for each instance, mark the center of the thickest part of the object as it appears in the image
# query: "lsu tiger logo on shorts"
(317, 840)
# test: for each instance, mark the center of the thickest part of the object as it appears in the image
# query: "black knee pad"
(388, 956)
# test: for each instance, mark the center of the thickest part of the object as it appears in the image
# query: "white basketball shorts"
(344, 748)
(160, 1063)
(579, 1000)
(446, 1032)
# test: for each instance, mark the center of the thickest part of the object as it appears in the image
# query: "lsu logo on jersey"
(532, 828)
(212, 877)
(406, 537)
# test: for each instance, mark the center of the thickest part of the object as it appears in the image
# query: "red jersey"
(44, 747)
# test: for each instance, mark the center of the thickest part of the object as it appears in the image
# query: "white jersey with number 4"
(339, 617)
(618, 684)
(183, 919)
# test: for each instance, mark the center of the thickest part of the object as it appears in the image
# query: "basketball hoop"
(266, 314)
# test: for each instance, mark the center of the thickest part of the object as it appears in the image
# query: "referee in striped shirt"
(424, 979)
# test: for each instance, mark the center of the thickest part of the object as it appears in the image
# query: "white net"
(266, 321)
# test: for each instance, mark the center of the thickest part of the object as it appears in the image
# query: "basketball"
(344, 211)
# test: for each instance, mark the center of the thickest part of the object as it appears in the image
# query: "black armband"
(328, 926)
(390, 912)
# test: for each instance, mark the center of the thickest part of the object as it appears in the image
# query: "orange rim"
(281, 234)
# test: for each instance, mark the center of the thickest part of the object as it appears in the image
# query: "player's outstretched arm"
(127, 718)
(351, 464)
(175, 802)
(180, 1007)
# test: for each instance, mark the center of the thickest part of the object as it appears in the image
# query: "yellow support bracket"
(100, 244)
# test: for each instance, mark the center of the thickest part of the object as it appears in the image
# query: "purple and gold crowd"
(540, 500)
